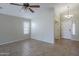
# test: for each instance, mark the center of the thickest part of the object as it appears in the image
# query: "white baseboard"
(71, 39)
(43, 41)
(11, 41)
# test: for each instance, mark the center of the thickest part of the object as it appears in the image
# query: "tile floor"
(32, 47)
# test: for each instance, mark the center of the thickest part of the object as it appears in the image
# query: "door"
(66, 28)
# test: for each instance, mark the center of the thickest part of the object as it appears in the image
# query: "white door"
(66, 28)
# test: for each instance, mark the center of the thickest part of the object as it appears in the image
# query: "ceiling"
(42, 5)
(17, 10)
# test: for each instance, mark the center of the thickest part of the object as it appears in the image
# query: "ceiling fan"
(26, 6)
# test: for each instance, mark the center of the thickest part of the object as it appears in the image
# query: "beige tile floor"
(32, 47)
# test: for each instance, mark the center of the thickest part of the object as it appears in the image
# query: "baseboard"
(12, 41)
(43, 41)
(76, 40)
(71, 39)
(66, 38)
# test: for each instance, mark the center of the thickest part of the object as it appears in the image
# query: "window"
(26, 27)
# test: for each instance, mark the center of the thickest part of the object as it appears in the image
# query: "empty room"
(39, 29)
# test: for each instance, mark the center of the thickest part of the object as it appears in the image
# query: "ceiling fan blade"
(31, 10)
(16, 4)
(35, 6)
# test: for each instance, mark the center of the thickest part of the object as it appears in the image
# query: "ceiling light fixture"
(68, 15)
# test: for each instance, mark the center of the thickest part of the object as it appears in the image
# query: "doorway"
(66, 27)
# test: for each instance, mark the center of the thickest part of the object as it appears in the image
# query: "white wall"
(42, 23)
(75, 12)
(11, 29)
(76, 21)
(43, 26)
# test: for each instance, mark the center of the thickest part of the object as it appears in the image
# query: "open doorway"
(66, 22)
(66, 27)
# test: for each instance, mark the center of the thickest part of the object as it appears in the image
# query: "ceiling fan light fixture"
(26, 6)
